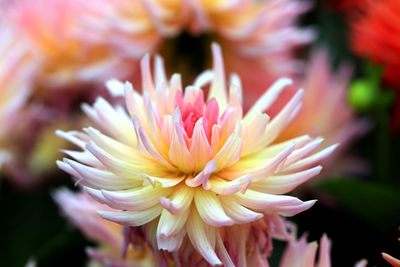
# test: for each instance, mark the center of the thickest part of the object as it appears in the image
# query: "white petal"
(210, 209)
(135, 218)
(202, 237)
(268, 98)
(237, 212)
(136, 199)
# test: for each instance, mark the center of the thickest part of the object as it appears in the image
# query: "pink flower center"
(192, 111)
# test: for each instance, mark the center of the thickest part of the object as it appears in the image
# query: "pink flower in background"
(81, 209)
(259, 38)
(52, 31)
(15, 84)
(325, 112)
(300, 253)
(193, 165)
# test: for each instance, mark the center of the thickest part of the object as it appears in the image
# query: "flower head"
(191, 164)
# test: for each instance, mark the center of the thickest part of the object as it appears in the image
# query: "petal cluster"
(188, 163)
(325, 112)
(301, 253)
(81, 209)
(15, 79)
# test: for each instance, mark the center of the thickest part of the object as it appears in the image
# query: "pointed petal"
(100, 179)
(282, 184)
(224, 187)
(268, 98)
(311, 160)
(218, 87)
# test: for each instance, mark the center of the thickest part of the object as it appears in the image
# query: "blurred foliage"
(32, 228)
(378, 204)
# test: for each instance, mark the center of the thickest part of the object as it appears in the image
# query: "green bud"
(362, 95)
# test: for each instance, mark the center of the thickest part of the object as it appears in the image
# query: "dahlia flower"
(15, 79)
(53, 32)
(260, 34)
(81, 209)
(192, 165)
(325, 111)
(300, 253)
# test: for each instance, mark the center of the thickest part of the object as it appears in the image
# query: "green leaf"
(377, 203)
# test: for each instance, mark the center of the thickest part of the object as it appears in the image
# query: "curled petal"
(210, 209)
(166, 181)
(171, 230)
(203, 176)
(224, 187)
(135, 199)
(202, 237)
(180, 200)
(134, 218)
(97, 178)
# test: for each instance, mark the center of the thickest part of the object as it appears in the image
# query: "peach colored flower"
(325, 112)
(192, 164)
(53, 33)
(260, 36)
